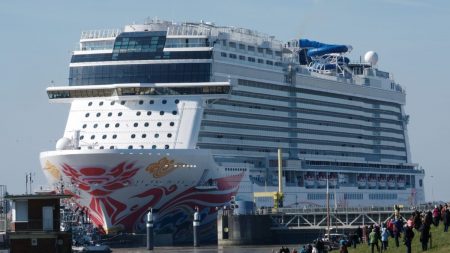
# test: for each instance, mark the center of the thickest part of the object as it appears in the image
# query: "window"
(420, 182)
(159, 124)
(144, 136)
(149, 113)
(111, 147)
(101, 147)
(135, 124)
(151, 102)
(122, 102)
(81, 137)
(278, 53)
(141, 102)
(161, 113)
(251, 59)
(92, 137)
(241, 57)
(251, 48)
(260, 50)
(269, 62)
(130, 147)
(166, 146)
(104, 136)
(84, 125)
(172, 124)
(153, 146)
(164, 102)
(109, 114)
(232, 56)
(156, 135)
(114, 136)
(133, 136)
(101, 103)
(106, 125)
(119, 114)
(232, 44)
(242, 46)
(260, 61)
(117, 125)
(268, 51)
(95, 125)
(174, 112)
(86, 115)
(90, 103)
(146, 124)
(112, 103)
(169, 135)
(177, 101)
(138, 113)
(98, 114)
(223, 54)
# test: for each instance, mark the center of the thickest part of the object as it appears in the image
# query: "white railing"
(97, 34)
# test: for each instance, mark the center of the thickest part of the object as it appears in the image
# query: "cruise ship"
(174, 116)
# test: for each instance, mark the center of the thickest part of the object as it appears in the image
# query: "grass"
(441, 243)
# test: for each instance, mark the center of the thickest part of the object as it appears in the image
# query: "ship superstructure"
(177, 115)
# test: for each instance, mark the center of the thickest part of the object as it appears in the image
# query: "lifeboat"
(382, 182)
(391, 182)
(362, 181)
(372, 181)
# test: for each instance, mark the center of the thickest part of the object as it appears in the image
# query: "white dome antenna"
(371, 57)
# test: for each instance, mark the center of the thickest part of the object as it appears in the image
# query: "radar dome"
(371, 57)
(64, 143)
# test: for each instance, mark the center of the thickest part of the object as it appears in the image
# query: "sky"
(411, 38)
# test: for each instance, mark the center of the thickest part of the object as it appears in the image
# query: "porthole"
(98, 114)
(90, 103)
(164, 102)
(117, 125)
(151, 102)
(141, 102)
(166, 146)
(119, 114)
(95, 125)
(159, 124)
(122, 102)
(92, 137)
(111, 147)
(114, 136)
(174, 112)
(169, 135)
(109, 114)
(81, 137)
(135, 124)
(104, 136)
(101, 103)
(144, 135)
(133, 136)
(86, 115)
(149, 113)
(112, 102)
(106, 125)
(146, 124)
(172, 123)
(101, 147)
(177, 101)
(130, 147)
(138, 113)
(84, 125)
(156, 135)
(153, 146)
(161, 113)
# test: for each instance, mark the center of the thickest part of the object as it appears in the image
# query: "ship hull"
(118, 187)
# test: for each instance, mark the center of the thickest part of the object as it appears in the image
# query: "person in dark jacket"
(409, 235)
(417, 220)
(428, 218)
(424, 236)
(397, 230)
(446, 220)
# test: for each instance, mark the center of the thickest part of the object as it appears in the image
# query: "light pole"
(432, 189)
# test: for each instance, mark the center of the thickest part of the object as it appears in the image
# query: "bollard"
(150, 229)
(196, 225)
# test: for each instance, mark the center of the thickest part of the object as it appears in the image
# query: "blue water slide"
(319, 49)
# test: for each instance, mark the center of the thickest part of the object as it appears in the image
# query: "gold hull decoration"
(53, 170)
(163, 167)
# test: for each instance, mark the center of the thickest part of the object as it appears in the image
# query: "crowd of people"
(402, 230)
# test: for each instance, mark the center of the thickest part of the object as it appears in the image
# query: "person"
(424, 236)
(409, 235)
(373, 240)
(303, 249)
(436, 216)
(397, 230)
(343, 249)
(320, 246)
(384, 237)
(359, 232)
(446, 220)
(428, 218)
(417, 220)
(354, 238)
